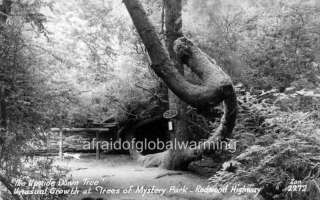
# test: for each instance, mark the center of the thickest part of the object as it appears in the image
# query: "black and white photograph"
(160, 99)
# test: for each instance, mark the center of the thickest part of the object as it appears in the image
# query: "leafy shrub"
(275, 147)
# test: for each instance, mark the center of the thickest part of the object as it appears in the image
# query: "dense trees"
(24, 100)
(275, 41)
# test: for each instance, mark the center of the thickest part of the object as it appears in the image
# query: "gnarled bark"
(215, 87)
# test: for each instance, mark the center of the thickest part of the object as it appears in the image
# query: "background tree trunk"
(3, 109)
(5, 9)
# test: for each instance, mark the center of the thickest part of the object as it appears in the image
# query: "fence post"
(61, 144)
(98, 145)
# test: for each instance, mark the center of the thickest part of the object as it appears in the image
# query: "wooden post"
(3, 109)
(98, 145)
(61, 144)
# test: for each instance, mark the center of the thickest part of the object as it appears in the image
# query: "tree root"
(170, 159)
(168, 174)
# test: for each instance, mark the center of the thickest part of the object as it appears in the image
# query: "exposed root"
(170, 159)
(153, 160)
(168, 174)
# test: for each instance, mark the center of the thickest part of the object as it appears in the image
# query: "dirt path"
(118, 172)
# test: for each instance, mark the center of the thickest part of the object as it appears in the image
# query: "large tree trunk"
(216, 86)
(173, 30)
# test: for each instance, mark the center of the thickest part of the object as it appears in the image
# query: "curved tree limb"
(212, 76)
(216, 86)
(162, 64)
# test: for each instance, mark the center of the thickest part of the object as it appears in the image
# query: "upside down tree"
(214, 88)
(172, 20)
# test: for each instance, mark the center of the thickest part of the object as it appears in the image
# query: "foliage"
(101, 58)
(275, 147)
(27, 104)
(264, 45)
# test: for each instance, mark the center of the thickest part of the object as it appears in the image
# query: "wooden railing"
(79, 130)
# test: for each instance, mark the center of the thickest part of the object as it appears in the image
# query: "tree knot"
(182, 47)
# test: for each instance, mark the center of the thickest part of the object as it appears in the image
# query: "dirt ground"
(119, 173)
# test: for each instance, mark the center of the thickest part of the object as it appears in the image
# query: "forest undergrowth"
(278, 150)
